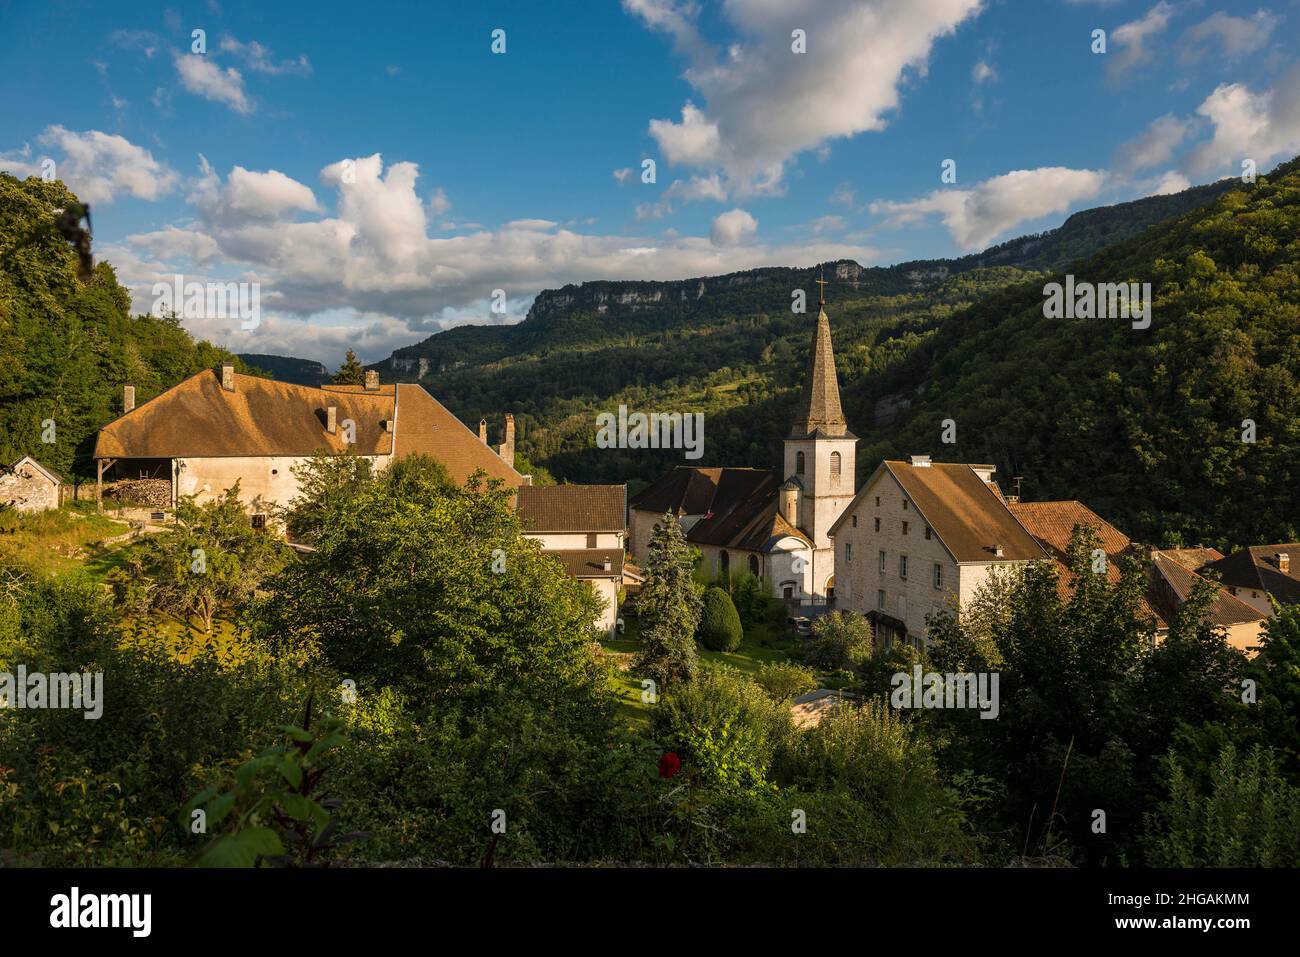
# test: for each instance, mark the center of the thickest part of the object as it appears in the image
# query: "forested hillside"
(68, 347)
(1146, 426)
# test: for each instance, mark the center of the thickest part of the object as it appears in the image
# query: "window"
(902, 608)
(753, 565)
(938, 575)
(724, 562)
(905, 528)
(798, 463)
(904, 505)
(877, 524)
(877, 501)
(927, 533)
(902, 566)
(259, 521)
(880, 600)
(591, 539)
(835, 466)
(855, 521)
(882, 562)
(787, 592)
(848, 553)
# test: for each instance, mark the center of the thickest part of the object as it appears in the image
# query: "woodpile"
(156, 493)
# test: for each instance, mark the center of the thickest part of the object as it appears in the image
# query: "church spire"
(819, 408)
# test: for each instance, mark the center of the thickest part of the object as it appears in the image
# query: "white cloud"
(763, 104)
(97, 166)
(982, 72)
(1171, 181)
(843, 195)
(249, 196)
(1234, 36)
(827, 224)
(384, 280)
(1131, 39)
(439, 203)
(1247, 125)
(260, 60)
(1154, 147)
(203, 77)
(974, 217)
(733, 228)
(623, 175)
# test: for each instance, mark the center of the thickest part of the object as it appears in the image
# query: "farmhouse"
(774, 524)
(219, 427)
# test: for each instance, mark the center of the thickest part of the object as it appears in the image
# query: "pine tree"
(352, 372)
(669, 608)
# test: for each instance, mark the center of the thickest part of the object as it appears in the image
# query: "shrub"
(719, 622)
(783, 680)
(841, 640)
(725, 728)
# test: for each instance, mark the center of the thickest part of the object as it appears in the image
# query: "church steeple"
(819, 408)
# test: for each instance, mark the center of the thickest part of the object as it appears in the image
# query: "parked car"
(801, 625)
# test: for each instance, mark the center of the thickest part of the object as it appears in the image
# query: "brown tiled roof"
(683, 491)
(425, 426)
(198, 418)
(819, 408)
(1174, 584)
(1053, 524)
(572, 508)
(1257, 568)
(1193, 558)
(967, 516)
(589, 562)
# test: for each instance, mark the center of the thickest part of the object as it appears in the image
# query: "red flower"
(669, 765)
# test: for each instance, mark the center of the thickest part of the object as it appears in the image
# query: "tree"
(211, 562)
(325, 484)
(719, 622)
(669, 607)
(352, 372)
(841, 640)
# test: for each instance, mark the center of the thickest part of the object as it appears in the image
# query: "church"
(774, 524)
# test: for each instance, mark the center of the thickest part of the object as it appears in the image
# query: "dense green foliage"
(720, 628)
(669, 607)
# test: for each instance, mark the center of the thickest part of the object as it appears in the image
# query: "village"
(916, 537)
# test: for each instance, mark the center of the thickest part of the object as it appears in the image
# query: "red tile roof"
(573, 508)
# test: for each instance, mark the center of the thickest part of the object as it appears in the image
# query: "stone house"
(28, 486)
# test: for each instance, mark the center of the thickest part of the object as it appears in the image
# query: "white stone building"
(28, 486)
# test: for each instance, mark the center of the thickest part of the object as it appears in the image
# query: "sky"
(381, 170)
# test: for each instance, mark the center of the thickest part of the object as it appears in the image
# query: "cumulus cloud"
(97, 166)
(380, 279)
(1228, 36)
(982, 72)
(1131, 40)
(761, 104)
(733, 228)
(1153, 147)
(974, 217)
(247, 195)
(202, 77)
(1262, 126)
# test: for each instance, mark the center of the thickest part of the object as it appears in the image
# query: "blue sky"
(379, 170)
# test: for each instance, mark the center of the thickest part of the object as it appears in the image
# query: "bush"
(719, 622)
(841, 640)
(725, 729)
(783, 680)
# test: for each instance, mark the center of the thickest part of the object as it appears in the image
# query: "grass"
(58, 540)
(761, 644)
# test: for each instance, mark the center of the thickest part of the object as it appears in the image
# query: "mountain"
(592, 311)
(288, 369)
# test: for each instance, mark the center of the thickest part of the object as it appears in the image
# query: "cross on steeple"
(821, 293)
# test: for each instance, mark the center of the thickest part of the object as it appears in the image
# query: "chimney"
(228, 376)
(997, 551)
(387, 426)
(372, 380)
(482, 431)
(609, 565)
(128, 398)
(1284, 563)
(332, 419)
(508, 446)
(920, 461)
(788, 503)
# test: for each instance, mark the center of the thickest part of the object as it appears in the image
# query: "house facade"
(582, 527)
(773, 524)
(28, 486)
(919, 537)
(218, 427)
